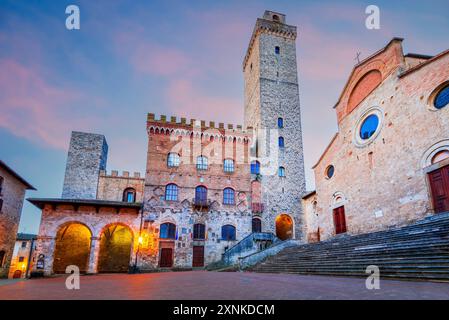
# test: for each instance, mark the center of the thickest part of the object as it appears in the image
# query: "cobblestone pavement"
(203, 285)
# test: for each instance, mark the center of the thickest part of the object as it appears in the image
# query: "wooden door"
(439, 184)
(166, 260)
(198, 256)
(339, 220)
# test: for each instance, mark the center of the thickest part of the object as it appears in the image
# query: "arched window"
(1, 184)
(201, 195)
(228, 196)
(228, 232)
(173, 160)
(440, 156)
(281, 172)
(256, 225)
(2, 257)
(201, 163)
(1, 205)
(168, 231)
(199, 231)
(228, 165)
(281, 142)
(442, 98)
(275, 17)
(280, 123)
(129, 195)
(255, 167)
(171, 192)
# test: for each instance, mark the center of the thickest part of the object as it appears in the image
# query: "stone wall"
(12, 194)
(112, 186)
(383, 182)
(87, 155)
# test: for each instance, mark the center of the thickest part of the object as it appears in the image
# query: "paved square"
(203, 285)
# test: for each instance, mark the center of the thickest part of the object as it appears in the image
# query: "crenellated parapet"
(125, 174)
(196, 128)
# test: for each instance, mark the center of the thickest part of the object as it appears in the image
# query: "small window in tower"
(277, 50)
(281, 142)
(275, 17)
(281, 172)
(280, 123)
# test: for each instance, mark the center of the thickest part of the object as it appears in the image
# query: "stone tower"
(271, 92)
(87, 155)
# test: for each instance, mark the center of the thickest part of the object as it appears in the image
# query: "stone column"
(94, 254)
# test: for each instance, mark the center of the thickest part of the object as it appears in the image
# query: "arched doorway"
(284, 227)
(115, 249)
(17, 274)
(72, 247)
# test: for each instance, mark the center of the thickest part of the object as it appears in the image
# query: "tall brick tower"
(87, 155)
(272, 108)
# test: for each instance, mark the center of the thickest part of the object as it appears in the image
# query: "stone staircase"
(419, 251)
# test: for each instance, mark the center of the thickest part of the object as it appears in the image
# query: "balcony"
(257, 207)
(201, 204)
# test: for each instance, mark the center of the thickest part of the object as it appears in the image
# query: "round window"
(442, 98)
(330, 171)
(369, 126)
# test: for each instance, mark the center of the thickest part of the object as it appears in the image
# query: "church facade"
(207, 185)
(388, 164)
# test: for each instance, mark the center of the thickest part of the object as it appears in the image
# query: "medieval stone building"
(388, 163)
(206, 186)
(12, 193)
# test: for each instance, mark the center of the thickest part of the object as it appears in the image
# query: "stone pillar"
(45, 249)
(94, 254)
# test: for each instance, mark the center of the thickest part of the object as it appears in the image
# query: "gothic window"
(201, 195)
(228, 196)
(228, 165)
(440, 156)
(369, 126)
(201, 163)
(173, 160)
(2, 258)
(228, 232)
(199, 231)
(171, 192)
(280, 123)
(281, 172)
(281, 142)
(129, 195)
(277, 50)
(442, 98)
(255, 167)
(256, 225)
(168, 231)
(330, 171)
